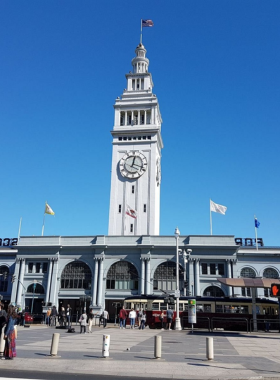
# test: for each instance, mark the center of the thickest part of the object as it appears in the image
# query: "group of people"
(132, 315)
(88, 319)
(8, 323)
(63, 317)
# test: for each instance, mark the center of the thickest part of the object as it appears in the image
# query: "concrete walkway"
(237, 356)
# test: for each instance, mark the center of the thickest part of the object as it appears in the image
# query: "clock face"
(133, 164)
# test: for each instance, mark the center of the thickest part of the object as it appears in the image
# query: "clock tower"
(136, 158)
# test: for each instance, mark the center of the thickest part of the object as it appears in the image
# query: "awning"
(249, 282)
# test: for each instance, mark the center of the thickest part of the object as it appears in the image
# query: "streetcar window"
(186, 307)
(207, 308)
(181, 307)
(128, 305)
(219, 309)
(155, 306)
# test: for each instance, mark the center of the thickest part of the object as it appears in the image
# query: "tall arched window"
(76, 275)
(270, 273)
(37, 289)
(213, 291)
(165, 276)
(122, 275)
(248, 272)
(4, 278)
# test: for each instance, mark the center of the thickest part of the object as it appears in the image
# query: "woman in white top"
(83, 322)
(132, 316)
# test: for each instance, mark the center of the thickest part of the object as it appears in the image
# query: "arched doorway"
(75, 287)
(34, 298)
(122, 279)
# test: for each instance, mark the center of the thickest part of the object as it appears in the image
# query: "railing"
(265, 324)
(199, 319)
(228, 321)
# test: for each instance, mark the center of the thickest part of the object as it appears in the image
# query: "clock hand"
(140, 166)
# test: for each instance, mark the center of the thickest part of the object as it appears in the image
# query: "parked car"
(28, 317)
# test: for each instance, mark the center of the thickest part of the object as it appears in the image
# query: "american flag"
(147, 23)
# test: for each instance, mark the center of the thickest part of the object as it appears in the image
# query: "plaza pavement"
(236, 356)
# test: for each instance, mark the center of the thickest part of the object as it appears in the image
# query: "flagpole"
(210, 219)
(19, 228)
(141, 33)
(44, 220)
(256, 233)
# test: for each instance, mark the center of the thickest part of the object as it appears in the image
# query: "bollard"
(106, 346)
(54, 346)
(209, 348)
(2, 341)
(157, 350)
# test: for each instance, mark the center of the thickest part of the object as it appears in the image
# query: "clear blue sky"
(215, 67)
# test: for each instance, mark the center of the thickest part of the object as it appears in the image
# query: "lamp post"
(177, 293)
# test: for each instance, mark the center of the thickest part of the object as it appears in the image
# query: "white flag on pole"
(217, 208)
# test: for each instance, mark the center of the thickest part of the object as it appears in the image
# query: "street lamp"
(177, 293)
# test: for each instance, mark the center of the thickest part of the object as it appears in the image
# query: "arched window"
(4, 272)
(37, 289)
(76, 275)
(122, 275)
(270, 273)
(165, 276)
(213, 291)
(248, 272)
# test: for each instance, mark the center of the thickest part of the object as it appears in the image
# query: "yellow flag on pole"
(49, 210)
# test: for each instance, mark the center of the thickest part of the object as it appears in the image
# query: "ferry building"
(133, 259)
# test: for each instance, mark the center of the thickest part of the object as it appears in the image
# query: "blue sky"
(215, 67)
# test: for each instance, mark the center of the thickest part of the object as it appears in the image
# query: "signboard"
(192, 311)
(275, 290)
(177, 294)
(249, 242)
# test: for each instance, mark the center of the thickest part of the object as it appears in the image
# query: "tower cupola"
(140, 63)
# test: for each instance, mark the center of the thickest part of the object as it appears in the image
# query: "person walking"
(123, 315)
(10, 334)
(142, 320)
(90, 320)
(169, 317)
(161, 318)
(48, 317)
(105, 317)
(62, 317)
(132, 317)
(68, 316)
(53, 316)
(83, 323)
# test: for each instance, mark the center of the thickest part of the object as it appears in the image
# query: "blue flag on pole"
(257, 224)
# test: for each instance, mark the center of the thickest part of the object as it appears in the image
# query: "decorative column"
(20, 282)
(100, 281)
(15, 283)
(47, 297)
(191, 277)
(148, 275)
(197, 279)
(142, 289)
(53, 289)
(94, 290)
